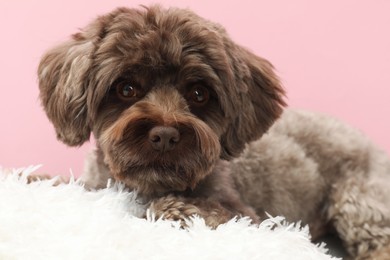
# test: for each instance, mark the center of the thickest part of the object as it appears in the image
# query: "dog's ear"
(63, 75)
(260, 101)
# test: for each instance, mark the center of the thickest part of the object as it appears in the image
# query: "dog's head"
(165, 93)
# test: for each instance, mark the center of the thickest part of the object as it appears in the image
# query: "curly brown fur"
(170, 98)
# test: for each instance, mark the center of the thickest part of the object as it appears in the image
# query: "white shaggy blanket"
(42, 221)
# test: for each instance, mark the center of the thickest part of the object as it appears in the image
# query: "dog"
(197, 124)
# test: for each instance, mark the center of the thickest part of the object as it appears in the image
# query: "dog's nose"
(164, 138)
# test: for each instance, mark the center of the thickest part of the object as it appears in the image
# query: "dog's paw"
(173, 208)
(42, 177)
(182, 209)
(37, 177)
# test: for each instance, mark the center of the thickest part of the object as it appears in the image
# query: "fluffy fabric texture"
(42, 221)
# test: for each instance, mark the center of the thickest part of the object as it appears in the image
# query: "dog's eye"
(128, 91)
(198, 95)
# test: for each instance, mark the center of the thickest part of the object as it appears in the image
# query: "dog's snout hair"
(151, 135)
(162, 107)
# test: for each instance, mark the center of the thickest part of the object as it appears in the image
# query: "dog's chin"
(156, 179)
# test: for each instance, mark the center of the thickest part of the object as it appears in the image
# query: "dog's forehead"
(160, 39)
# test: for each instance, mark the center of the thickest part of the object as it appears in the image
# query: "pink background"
(332, 56)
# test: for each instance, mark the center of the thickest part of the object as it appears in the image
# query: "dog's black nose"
(164, 138)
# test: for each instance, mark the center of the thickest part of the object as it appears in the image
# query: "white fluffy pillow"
(40, 221)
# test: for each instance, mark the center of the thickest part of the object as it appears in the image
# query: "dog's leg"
(360, 213)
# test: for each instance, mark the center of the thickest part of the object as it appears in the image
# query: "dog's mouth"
(151, 174)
